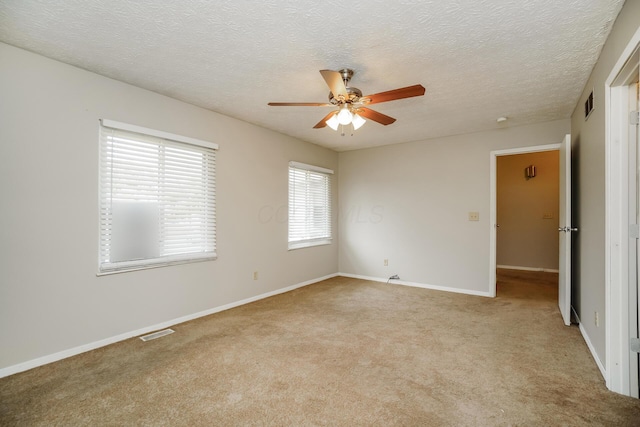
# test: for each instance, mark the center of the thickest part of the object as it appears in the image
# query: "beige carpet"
(340, 352)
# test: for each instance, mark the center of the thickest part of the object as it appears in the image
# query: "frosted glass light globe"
(358, 121)
(333, 122)
(345, 116)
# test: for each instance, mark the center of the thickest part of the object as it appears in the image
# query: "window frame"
(164, 141)
(311, 241)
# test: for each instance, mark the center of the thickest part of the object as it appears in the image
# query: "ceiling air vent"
(588, 106)
(158, 334)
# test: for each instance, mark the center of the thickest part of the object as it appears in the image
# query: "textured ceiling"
(477, 59)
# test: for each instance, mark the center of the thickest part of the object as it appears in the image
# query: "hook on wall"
(530, 172)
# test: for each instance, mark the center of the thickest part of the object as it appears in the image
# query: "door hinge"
(634, 345)
(634, 231)
(634, 117)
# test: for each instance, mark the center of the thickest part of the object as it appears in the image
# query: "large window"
(157, 198)
(309, 205)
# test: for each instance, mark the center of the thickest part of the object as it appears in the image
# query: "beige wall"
(588, 145)
(50, 297)
(527, 211)
(409, 203)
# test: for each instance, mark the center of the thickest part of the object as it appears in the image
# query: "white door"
(565, 229)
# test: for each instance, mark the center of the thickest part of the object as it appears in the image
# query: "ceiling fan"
(350, 102)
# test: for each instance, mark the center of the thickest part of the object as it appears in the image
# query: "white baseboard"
(592, 349)
(34, 363)
(418, 285)
(515, 267)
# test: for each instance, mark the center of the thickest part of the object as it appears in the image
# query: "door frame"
(493, 201)
(617, 310)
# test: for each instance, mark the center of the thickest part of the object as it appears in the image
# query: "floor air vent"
(158, 334)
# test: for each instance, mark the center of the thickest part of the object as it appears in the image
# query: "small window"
(157, 198)
(309, 205)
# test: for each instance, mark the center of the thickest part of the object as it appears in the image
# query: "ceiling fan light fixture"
(357, 121)
(349, 102)
(333, 122)
(344, 116)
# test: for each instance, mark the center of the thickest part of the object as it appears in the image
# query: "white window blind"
(309, 205)
(157, 198)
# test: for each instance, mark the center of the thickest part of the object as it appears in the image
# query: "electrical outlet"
(386, 262)
(547, 215)
(596, 319)
(255, 275)
(474, 216)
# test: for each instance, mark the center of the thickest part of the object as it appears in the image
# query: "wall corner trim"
(44, 360)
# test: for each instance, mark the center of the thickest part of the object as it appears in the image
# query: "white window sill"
(145, 266)
(308, 243)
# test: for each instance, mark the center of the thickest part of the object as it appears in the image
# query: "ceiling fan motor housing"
(354, 94)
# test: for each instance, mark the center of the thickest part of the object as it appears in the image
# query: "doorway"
(494, 155)
(527, 210)
(633, 90)
(623, 217)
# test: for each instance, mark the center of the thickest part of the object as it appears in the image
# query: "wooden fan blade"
(335, 83)
(299, 104)
(322, 123)
(375, 116)
(391, 95)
